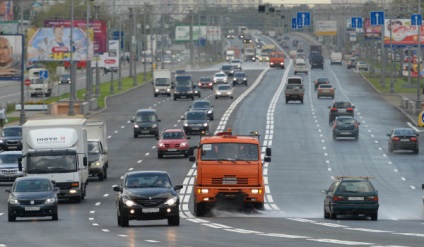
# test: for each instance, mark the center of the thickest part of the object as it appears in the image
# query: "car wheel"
(231, 97)
(160, 155)
(175, 98)
(105, 173)
(125, 222)
(356, 137)
(416, 150)
(390, 149)
(135, 135)
(155, 95)
(101, 176)
(334, 137)
(333, 216)
(374, 216)
(174, 220)
(326, 215)
(11, 218)
(55, 216)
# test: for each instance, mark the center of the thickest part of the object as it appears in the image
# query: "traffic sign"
(27, 82)
(377, 18)
(44, 74)
(303, 18)
(356, 22)
(294, 23)
(416, 20)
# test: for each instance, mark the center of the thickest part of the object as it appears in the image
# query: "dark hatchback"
(195, 121)
(320, 81)
(346, 126)
(340, 108)
(205, 82)
(227, 69)
(146, 122)
(351, 196)
(403, 139)
(203, 105)
(239, 78)
(32, 197)
(11, 138)
(147, 195)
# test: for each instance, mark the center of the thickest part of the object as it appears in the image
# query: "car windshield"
(172, 135)
(355, 187)
(404, 132)
(205, 79)
(201, 104)
(345, 120)
(11, 132)
(66, 76)
(162, 82)
(93, 147)
(196, 116)
(227, 67)
(219, 75)
(9, 158)
(239, 75)
(145, 117)
(147, 180)
(342, 105)
(230, 151)
(224, 87)
(38, 185)
(322, 80)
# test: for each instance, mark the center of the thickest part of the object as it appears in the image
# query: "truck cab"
(162, 84)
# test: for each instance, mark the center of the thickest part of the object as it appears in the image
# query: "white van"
(336, 58)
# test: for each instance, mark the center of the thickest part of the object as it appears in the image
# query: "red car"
(205, 82)
(173, 142)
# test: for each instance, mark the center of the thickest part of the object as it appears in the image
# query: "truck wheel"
(259, 206)
(101, 176)
(199, 209)
(175, 98)
(174, 220)
(105, 173)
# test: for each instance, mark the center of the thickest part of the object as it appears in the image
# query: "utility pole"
(144, 45)
(96, 7)
(191, 39)
(22, 117)
(119, 57)
(88, 74)
(130, 9)
(134, 55)
(418, 105)
(71, 110)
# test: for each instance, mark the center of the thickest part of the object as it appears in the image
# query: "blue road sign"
(416, 20)
(377, 18)
(294, 23)
(44, 74)
(356, 22)
(115, 36)
(303, 18)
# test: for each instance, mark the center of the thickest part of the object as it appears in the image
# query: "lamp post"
(89, 75)
(134, 54)
(119, 57)
(71, 110)
(96, 7)
(418, 105)
(22, 116)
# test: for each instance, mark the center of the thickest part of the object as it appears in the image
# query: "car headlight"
(1, 141)
(13, 200)
(161, 145)
(281, 63)
(183, 144)
(219, 93)
(210, 111)
(244, 79)
(50, 200)
(190, 91)
(96, 163)
(154, 126)
(156, 90)
(202, 191)
(205, 124)
(168, 90)
(171, 201)
(234, 79)
(136, 126)
(185, 124)
(128, 202)
(256, 191)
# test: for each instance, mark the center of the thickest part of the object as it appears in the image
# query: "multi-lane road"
(305, 158)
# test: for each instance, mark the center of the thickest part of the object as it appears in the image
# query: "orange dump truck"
(276, 59)
(229, 172)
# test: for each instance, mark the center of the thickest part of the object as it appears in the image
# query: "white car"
(220, 77)
(236, 63)
(362, 65)
(224, 90)
(300, 66)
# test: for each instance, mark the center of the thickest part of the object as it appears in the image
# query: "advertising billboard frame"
(13, 68)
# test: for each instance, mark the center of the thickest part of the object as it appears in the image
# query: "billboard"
(182, 33)
(325, 28)
(111, 58)
(371, 32)
(6, 10)
(54, 44)
(403, 33)
(99, 29)
(11, 57)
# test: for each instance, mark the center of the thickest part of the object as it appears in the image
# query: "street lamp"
(71, 110)
(418, 104)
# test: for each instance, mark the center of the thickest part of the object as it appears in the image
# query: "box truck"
(57, 149)
(98, 161)
(162, 82)
(39, 85)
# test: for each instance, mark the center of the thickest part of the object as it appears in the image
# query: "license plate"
(32, 208)
(12, 147)
(172, 149)
(404, 140)
(150, 210)
(195, 128)
(355, 198)
(183, 96)
(345, 133)
(145, 131)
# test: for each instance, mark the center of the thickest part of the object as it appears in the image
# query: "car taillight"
(338, 198)
(349, 109)
(414, 139)
(373, 198)
(356, 125)
(395, 138)
(333, 109)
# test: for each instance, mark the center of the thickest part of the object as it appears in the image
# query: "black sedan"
(239, 78)
(11, 138)
(320, 81)
(340, 108)
(195, 121)
(351, 196)
(147, 195)
(203, 105)
(403, 139)
(32, 197)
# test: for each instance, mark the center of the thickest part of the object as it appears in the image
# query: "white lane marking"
(368, 230)
(281, 235)
(105, 230)
(336, 241)
(152, 241)
(105, 195)
(98, 203)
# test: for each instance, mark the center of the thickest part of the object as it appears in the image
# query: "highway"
(304, 160)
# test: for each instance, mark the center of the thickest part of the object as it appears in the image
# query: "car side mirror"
(84, 161)
(324, 191)
(388, 135)
(188, 137)
(191, 158)
(8, 190)
(178, 187)
(182, 118)
(159, 120)
(157, 138)
(268, 152)
(117, 188)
